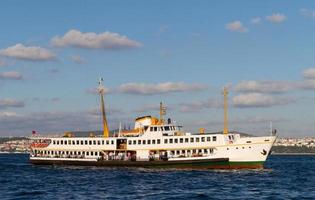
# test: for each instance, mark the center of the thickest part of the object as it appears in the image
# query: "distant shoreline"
(292, 154)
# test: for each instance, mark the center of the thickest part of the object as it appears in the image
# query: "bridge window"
(191, 140)
(165, 141)
(159, 141)
(155, 128)
(181, 140)
(197, 139)
(176, 140)
(143, 142)
(186, 140)
(151, 129)
(149, 141)
(214, 138)
(134, 142)
(208, 139)
(139, 141)
(166, 128)
(153, 141)
(171, 141)
(203, 139)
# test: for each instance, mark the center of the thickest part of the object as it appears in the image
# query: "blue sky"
(178, 52)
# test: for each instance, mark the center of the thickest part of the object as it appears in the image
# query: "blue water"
(286, 177)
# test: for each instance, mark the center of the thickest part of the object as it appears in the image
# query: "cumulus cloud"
(33, 53)
(236, 26)
(309, 73)
(200, 105)
(91, 40)
(264, 86)
(307, 13)
(276, 18)
(7, 103)
(11, 75)
(78, 59)
(255, 20)
(259, 100)
(160, 88)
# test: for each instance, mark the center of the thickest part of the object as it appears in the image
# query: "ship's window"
(208, 139)
(200, 151)
(197, 139)
(250, 147)
(135, 142)
(162, 128)
(58, 142)
(102, 142)
(91, 153)
(112, 141)
(155, 128)
(139, 141)
(176, 140)
(75, 153)
(153, 141)
(151, 129)
(183, 151)
(172, 152)
(149, 141)
(65, 142)
(188, 151)
(85, 142)
(78, 142)
(191, 139)
(203, 139)
(194, 150)
(181, 140)
(214, 138)
(87, 153)
(54, 142)
(205, 150)
(94, 142)
(186, 140)
(99, 142)
(243, 147)
(166, 128)
(177, 152)
(81, 142)
(96, 153)
(211, 150)
(129, 142)
(171, 141)
(107, 142)
(73, 142)
(61, 141)
(90, 142)
(143, 142)
(227, 148)
(158, 141)
(236, 147)
(165, 141)
(79, 152)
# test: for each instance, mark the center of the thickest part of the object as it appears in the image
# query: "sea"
(284, 177)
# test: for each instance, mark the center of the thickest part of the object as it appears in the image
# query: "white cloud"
(160, 88)
(13, 75)
(8, 114)
(200, 105)
(307, 84)
(276, 18)
(264, 86)
(259, 100)
(255, 20)
(91, 40)
(78, 59)
(6, 103)
(236, 26)
(309, 73)
(34, 53)
(307, 13)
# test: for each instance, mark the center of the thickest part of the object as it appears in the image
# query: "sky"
(182, 53)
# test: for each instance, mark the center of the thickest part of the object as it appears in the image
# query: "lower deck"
(199, 163)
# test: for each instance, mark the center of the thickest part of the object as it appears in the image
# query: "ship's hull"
(218, 163)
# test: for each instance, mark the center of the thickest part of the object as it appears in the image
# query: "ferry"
(154, 143)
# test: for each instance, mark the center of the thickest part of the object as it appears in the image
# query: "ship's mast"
(225, 104)
(101, 91)
(162, 113)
